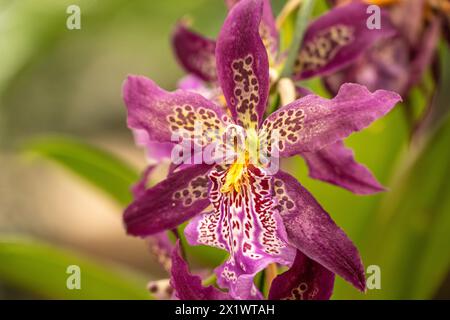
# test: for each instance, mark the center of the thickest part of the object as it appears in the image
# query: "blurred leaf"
(96, 166)
(41, 269)
(408, 238)
(410, 233)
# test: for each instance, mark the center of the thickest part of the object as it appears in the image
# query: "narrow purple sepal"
(195, 52)
(314, 233)
(336, 164)
(242, 63)
(337, 38)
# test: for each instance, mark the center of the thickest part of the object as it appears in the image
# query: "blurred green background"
(56, 83)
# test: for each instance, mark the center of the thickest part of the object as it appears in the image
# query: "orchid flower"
(260, 217)
(397, 63)
(331, 42)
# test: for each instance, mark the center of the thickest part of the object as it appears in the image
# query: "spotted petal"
(171, 202)
(195, 52)
(314, 233)
(312, 122)
(242, 63)
(305, 280)
(165, 115)
(337, 38)
(336, 164)
(245, 224)
(188, 286)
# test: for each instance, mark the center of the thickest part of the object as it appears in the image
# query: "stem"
(290, 6)
(211, 280)
(303, 15)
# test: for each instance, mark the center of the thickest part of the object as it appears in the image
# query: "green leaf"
(96, 166)
(41, 269)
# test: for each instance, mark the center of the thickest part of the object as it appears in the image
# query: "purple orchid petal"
(195, 52)
(164, 114)
(244, 224)
(311, 123)
(267, 29)
(242, 63)
(188, 286)
(305, 280)
(169, 203)
(336, 164)
(337, 38)
(314, 233)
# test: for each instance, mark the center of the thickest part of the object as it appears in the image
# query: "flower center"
(233, 178)
(246, 155)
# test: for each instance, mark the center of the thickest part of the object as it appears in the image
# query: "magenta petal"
(305, 280)
(313, 232)
(337, 38)
(242, 63)
(188, 286)
(312, 122)
(163, 114)
(195, 52)
(267, 29)
(336, 164)
(178, 198)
